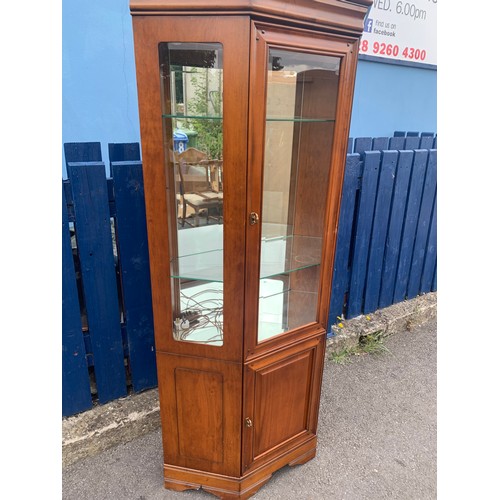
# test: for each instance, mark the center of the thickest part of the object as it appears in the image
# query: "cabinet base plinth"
(227, 487)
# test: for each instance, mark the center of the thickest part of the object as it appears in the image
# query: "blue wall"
(389, 97)
(99, 95)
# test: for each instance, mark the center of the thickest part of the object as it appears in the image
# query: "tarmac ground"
(376, 438)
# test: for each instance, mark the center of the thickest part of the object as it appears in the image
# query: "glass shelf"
(203, 266)
(299, 119)
(279, 255)
(286, 254)
(192, 117)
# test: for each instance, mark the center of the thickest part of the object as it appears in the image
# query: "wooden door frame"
(233, 33)
(264, 36)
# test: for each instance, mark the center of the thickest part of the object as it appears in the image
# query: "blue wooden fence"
(105, 249)
(386, 252)
(387, 237)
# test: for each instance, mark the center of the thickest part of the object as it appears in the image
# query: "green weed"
(342, 357)
(373, 343)
(368, 344)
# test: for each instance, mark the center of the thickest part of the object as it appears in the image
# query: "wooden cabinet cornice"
(244, 112)
(335, 15)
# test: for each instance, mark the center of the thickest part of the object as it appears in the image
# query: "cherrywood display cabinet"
(244, 110)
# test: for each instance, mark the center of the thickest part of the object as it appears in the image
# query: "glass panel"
(192, 123)
(300, 118)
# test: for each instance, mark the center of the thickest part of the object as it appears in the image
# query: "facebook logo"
(368, 25)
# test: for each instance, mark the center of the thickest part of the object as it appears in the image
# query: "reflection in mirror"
(192, 89)
(300, 118)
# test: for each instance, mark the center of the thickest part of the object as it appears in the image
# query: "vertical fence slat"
(346, 222)
(397, 143)
(412, 142)
(410, 224)
(90, 198)
(412, 134)
(430, 253)
(78, 152)
(393, 241)
(124, 151)
(134, 261)
(349, 145)
(380, 143)
(379, 231)
(76, 395)
(363, 232)
(434, 279)
(423, 226)
(362, 144)
(399, 133)
(425, 142)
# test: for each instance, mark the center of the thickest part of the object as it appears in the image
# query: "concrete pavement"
(376, 438)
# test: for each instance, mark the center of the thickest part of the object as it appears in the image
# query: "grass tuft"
(368, 344)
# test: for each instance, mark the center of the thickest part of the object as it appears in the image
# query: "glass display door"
(192, 77)
(292, 175)
(194, 90)
(301, 95)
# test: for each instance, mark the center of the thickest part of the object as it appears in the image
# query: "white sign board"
(401, 30)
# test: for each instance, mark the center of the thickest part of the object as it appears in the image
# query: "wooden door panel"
(281, 401)
(196, 389)
(201, 413)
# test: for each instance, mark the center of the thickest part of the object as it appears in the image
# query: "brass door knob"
(248, 422)
(254, 218)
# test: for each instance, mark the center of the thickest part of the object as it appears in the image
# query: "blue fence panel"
(410, 224)
(388, 237)
(134, 269)
(386, 251)
(426, 142)
(124, 151)
(344, 236)
(393, 241)
(412, 142)
(379, 231)
(434, 280)
(90, 199)
(79, 152)
(423, 227)
(380, 143)
(363, 232)
(76, 395)
(362, 144)
(431, 254)
(397, 143)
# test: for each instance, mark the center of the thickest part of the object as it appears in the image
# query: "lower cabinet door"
(281, 403)
(201, 413)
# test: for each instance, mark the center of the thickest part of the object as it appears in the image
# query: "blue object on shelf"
(180, 141)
